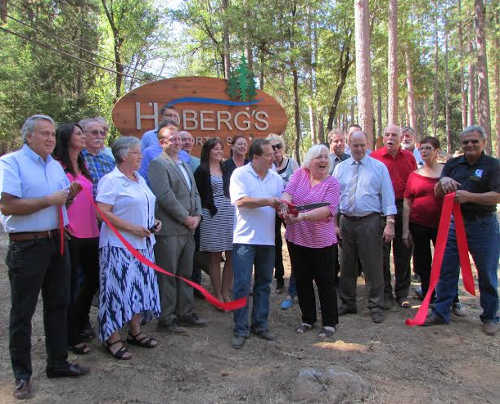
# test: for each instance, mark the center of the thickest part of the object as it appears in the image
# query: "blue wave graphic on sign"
(212, 101)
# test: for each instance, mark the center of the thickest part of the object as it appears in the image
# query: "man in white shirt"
(408, 143)
(366, 195)
(255, 190)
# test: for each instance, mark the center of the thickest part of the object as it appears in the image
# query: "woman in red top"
(421, 211)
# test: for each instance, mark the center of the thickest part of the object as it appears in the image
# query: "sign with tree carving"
(208, 107)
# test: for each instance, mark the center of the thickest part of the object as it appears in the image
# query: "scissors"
(294, 209)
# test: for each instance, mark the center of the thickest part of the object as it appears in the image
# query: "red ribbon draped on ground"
(450, 206)
(226, 306)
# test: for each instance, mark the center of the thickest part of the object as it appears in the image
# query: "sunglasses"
(277, 146)
(473, 141)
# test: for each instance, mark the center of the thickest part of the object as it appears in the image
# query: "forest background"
(432, 65)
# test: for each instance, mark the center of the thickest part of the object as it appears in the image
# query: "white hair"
(121, 147)
(314, 152)
(474, 128)
(30, 124)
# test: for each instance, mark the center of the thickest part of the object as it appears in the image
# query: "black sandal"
(80, 349)
(120, 353)
(145, 341)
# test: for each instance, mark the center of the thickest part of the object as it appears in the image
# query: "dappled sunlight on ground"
(341, 346)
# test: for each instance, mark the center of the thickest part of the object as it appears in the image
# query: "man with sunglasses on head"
(475, 178)
(99, 162)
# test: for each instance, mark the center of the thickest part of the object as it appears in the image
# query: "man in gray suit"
(178, 206)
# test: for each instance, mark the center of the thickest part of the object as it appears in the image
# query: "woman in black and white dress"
(216, 227)
(127, 287)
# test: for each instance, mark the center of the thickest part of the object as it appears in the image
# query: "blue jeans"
(484, 245)
(245, 256)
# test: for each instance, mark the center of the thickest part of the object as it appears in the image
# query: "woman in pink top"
(311, 237)
(84, 234)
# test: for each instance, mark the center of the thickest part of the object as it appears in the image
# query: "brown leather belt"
(34, 235)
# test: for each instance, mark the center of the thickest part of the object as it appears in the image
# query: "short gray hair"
(474, 128)
(121, 147)
(408, 129)
(30, 123)
(102, 121)
(314, 152)
(84, 123)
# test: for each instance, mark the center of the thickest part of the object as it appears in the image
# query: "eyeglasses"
(96, 132)
(473, 141)
(426, 148)
(277, 146)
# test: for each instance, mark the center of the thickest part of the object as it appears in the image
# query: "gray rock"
(330, 385)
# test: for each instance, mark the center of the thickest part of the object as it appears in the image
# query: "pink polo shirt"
(81, 213)
(313, 234)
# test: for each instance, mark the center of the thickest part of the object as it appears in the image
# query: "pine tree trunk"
(392, 64)
(435, 107)
(462, 74)
(412, 114)
(261, 70)
(296, 114)
(471, 115)
(249, 57)
(380, 129)
(449, 148)
(363, 68)
(482, 72)
(497, 87)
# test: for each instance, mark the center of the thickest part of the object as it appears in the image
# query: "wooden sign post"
(205, 110)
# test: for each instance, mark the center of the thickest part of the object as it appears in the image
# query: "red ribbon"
(226, 306)
(61, 230)
(449, 206)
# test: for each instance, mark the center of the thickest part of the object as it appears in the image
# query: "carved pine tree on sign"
(241, 83)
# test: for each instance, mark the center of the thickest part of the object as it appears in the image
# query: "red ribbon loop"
(450, 206)
(226, 306)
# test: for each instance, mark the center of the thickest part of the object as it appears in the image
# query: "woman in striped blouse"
(311, 237)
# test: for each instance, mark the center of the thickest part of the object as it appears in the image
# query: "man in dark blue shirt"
(475, 177)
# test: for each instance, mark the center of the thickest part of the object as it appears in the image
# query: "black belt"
(356, 218)
(33, 235)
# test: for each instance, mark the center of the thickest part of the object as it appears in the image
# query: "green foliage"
(281, 36)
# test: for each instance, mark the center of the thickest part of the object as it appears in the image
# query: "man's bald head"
(358, 142)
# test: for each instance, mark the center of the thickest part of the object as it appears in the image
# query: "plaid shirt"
(98, 165)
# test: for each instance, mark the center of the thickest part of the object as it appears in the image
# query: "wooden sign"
(204, 108)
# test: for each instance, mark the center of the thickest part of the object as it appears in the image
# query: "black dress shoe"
(264, 334)
(70, 370)
(192, 320)
(171, 328)
(23, 389)
(347, 310)
(433, 319)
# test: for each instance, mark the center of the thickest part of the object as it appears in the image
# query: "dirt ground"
(447, 364)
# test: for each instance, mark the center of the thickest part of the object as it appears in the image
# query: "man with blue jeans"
(475, 177)
(254, 190)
